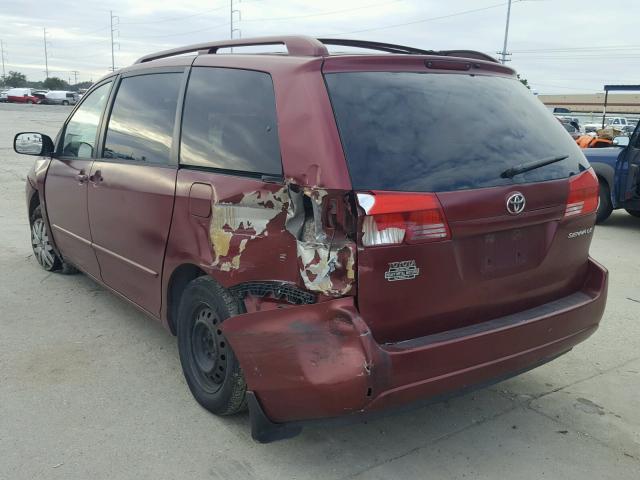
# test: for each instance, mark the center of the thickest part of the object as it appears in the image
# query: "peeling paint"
(234, 225)
(326, 264)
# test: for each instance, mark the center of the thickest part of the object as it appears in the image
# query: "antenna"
(114, 29)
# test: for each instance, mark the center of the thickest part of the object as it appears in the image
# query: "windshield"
(441, 132)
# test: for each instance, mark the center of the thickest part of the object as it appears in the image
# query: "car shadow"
(621, 219)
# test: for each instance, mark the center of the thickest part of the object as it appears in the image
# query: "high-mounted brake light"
(583, 194)
(394, 218)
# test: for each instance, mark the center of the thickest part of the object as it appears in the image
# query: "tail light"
(583, 194)
(395, 218)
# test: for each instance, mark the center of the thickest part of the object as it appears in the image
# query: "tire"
(210, 367)
(43, 251)
(64, 102)
(29, 102)
(604, 203)
(635, 213)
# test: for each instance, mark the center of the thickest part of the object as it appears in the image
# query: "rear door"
(67, 179)
(450, 234)
(132, 184)
(628, 173)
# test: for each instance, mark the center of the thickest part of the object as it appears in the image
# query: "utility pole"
(4, 74)
(232, 12)
(114, 28)
(506, 36)
(46, 58)
(75, 76)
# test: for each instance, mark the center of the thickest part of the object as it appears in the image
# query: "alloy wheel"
(42, 248)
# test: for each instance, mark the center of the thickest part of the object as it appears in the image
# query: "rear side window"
(230, 122)
(427, 132)
(142, 119)
(80, 133)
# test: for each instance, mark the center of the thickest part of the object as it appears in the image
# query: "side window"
(80, 133)
(230, 121)
(141, 123)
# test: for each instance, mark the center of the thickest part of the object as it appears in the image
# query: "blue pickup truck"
(618, 171)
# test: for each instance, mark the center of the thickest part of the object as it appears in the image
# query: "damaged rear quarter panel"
(305, 361)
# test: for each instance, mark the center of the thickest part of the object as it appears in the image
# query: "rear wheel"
(42, 248)
(604, 203)
(635, 213)
(209, 365)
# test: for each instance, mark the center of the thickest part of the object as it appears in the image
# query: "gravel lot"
(90, 388)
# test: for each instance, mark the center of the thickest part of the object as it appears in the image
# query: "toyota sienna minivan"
(330, 236)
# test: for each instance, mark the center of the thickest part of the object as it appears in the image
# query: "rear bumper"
(320, 361)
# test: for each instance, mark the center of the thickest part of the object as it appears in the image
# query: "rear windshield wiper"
(527, 167)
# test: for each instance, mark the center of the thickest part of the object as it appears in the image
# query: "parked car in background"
(60, 97)
(319, 243)
(22, 95)
(618, 171)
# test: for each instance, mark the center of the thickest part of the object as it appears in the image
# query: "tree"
(15, 79)
(55, 83)
(524, 81)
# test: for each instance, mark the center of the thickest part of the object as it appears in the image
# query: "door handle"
(82, 177)
(96, 177)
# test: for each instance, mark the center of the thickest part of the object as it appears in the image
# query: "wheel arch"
(180, 278)
(606, 173)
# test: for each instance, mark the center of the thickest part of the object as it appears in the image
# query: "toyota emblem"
(515, 203)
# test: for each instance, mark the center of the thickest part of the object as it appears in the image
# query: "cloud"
(559, 46)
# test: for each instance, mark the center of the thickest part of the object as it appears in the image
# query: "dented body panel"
(317, 361)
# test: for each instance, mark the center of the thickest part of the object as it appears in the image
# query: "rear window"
(428, 132)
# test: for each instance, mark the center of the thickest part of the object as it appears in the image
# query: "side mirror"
(32, 143)
(621, 141)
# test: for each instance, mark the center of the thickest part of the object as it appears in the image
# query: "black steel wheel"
(208, 349)
(209, 364)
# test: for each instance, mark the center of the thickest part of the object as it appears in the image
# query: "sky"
(559, 46)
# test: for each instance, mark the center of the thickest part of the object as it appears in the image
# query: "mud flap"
(263, 430)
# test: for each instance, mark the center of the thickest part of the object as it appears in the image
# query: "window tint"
(80, 133)
(141, 122)
(230, 121)
(439, 132)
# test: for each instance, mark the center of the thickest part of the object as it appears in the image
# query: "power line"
(275, 19)
(172, 19)
(415, 22)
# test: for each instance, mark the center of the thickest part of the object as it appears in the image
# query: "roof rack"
(302, 45)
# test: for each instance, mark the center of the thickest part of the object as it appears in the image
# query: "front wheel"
(29, 102)
(635, 213)
(604, 203)
(42, 248)
(64, 102)
(209, 365)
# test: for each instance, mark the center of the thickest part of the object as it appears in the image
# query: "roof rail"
(295, 44)
(308, 46)
(383, 47)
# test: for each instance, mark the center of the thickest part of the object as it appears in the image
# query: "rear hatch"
(452, 231)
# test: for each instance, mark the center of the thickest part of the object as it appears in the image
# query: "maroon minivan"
(329, 236)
